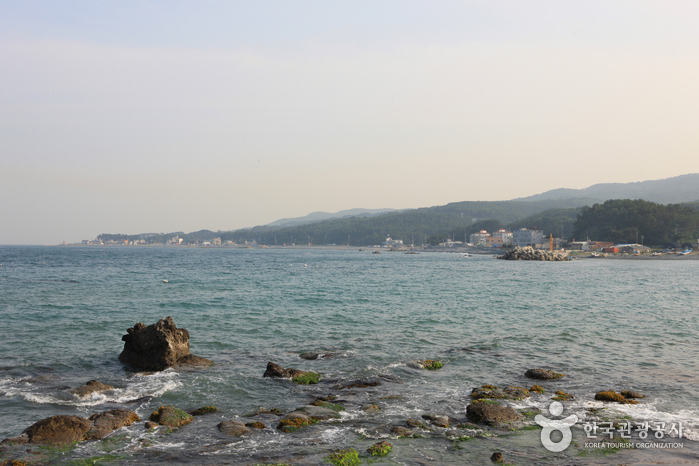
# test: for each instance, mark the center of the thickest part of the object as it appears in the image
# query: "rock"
(530, 254)
(91, 387)
(58, 430)
(203, 410)
(293, 422)
(631, 394)
(105, 423)
(371, 407)
(439, 421)
(417, 424)
(233, 428)
(401, 431)
(361, 383)
(516, 393)
(171, 417)
(158, 347)
(562, 396)
(309, 378)
(255, 425)
(347, 457)
(497, 457)
(150, 425)
(275, 411)
(19, 440)
(328, 405)
(277, 371)
(314, 356)
(542, 374)
(487, 392)
(486, 413)
(380, 449)
(537, 389)
(430, 364)
(612, 396)
(318, 413)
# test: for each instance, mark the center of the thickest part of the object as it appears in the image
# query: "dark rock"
(314, 356)
(632, 394)
(516, 393)
(611, 395)
(486, 413)
(204, 410)
(158, 347)
(496, 457)
(487, 392)
(439, 421)
(417, 424)
(19, 440)
(318, 413)
(542, 374)
(91, 387)
(150, 425)
(171, 417)
(58, 430)
(105, 423)
(233, 428)
(275, 411)
(401, 431)
(537, 389)
(277, 371)
(255, 425)
(362, 383)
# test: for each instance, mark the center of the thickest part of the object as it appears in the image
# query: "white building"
(393, 243)
(525, 237)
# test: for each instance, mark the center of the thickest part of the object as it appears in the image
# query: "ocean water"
(605, 324)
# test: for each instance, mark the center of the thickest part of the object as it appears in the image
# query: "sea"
(604, 324)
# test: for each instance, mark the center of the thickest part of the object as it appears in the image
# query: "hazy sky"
(158, 116)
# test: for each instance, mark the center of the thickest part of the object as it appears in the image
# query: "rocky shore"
(491, 412)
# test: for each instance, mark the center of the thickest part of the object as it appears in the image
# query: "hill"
(314, 217)
(683, 188)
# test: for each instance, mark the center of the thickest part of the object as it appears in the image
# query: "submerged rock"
(562, 396)
(543, 374)
(318, 413)
(91, 387)
(496, 457)
(233, 428)
(294, 421)
(632, 394)
(361, 383)
(313, 356)
(347, 457)
(255, 425)
(486, 413)
(158, 346)
(417, 424)
(401, 431)
(439, 421)
(430, 364)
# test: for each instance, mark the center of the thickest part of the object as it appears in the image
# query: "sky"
(161, 116)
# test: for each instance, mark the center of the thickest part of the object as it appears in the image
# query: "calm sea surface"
(606, 324)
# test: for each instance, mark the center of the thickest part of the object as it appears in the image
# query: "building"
(480, 238)
(393, 243)
(526, 237)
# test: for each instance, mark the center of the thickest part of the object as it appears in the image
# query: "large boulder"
(58, 430)
(158, 346)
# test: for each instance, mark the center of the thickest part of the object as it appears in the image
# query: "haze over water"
(605, 324)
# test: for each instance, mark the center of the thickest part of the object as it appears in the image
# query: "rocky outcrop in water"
(64, 430)
(233, 428)
(491, 414)
(542, 374)
(159, 346)
(277, 371)
(91, 387)
(528, 253)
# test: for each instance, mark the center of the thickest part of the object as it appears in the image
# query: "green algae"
(347, 457)
(309, 378)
